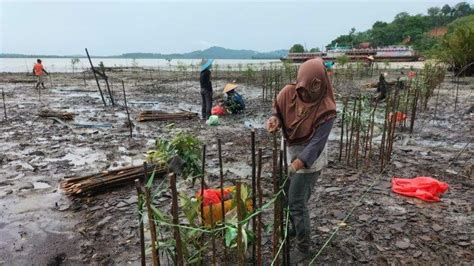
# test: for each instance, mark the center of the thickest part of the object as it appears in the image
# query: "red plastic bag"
(399, 116)
(213, 196)
(218, 110)
(422, 187)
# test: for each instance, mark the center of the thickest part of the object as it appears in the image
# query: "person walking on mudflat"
(305, 112)
(206, 88)
(39, 71)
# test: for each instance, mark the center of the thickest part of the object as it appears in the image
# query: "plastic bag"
(213, 120)
(422, 187)
(218, 110)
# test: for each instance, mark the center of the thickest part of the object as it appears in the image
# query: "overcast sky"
(115, 27)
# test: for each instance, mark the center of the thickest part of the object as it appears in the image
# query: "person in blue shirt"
(234, 102)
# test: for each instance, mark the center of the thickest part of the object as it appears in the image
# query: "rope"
(343, 221)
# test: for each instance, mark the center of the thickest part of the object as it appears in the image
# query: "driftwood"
(163, 116)
(57, 114)
(77, 186)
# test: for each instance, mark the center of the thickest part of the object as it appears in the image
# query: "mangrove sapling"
(221, 178)
(341, 143)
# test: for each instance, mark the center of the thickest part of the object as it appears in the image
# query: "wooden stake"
(260, 204)
(240, 217)
(221, 176)
(4, 105)
(254, 187)
(151, 222)
(179, 260)
(341, 144)
(276, 209)
(126, 108)
(96, 80)
(140, 222)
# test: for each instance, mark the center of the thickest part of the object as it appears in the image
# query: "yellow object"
(229, 87)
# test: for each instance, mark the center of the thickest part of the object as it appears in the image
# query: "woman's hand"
(273, 124)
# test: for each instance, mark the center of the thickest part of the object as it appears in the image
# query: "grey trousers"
(206, 103)
(299, 190)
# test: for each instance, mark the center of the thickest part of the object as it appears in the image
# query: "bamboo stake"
(179, 260)
(352, 131)
(95, 76)
(140, 222)
(276, 209)
(221, 177)
(126, 108)
(356, 148)
(260, 204)
(414, 107)
(254, 187)
(203, 168)
(341, 144)
(240, 246)
(385, 125)
(4, 105)
(213, 240)
(371, 135)
(151, 222)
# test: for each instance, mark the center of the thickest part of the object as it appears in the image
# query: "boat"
(393, 53)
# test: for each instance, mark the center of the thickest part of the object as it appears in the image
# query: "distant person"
(206, 88)
(39, 71)
(382, 87)
(305, 112)
(234, 102)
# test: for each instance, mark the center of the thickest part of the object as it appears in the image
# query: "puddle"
(40, 185)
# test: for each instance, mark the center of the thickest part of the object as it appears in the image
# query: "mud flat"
(40, 225)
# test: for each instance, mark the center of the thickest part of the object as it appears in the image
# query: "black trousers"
(206, 103)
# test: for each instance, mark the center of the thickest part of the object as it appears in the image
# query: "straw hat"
(230, 87)
(370, 58)
(206, 63)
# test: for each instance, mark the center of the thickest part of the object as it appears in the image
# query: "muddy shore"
(39, 225)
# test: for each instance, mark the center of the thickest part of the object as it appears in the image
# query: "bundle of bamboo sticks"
(58, 114)
(163, 116)
(76, 186)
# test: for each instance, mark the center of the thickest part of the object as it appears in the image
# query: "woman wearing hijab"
(305, 112)
(206, 88)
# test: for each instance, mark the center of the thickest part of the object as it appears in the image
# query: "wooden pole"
(254, 188)
(221, 177)
(95, 76)
(342, 129)
(140, 222)
(4, 105)
(151, 222)
(276, 209)
(126, 108)
(179, 260)
(260, 203)
(240, 217)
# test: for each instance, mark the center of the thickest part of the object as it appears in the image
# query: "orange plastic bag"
(213, 196)
(422, 187)
(218, 110)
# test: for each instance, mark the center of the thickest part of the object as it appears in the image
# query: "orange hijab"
(301, 118)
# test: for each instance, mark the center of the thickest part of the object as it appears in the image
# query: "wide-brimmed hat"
(370, 57)
(229, 87)
(206, 63)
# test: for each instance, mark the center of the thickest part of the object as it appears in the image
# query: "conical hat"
(229, 87)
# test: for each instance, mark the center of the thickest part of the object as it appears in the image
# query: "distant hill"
(214, 52)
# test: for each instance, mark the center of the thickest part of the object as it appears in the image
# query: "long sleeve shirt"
(205, 80)
(313, 153)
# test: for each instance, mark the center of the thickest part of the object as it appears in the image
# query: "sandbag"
(422, 187)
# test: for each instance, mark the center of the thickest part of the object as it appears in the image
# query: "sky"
(114, 27)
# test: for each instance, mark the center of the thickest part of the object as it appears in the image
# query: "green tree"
(297, 48)
(456, 48)
(314, 50)
(462, 9)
